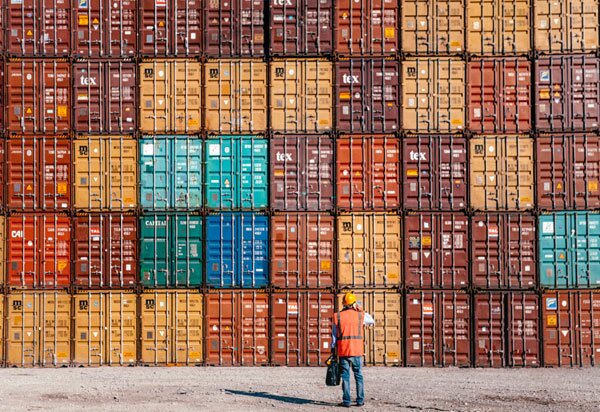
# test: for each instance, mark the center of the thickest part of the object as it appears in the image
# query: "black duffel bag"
(334, 373)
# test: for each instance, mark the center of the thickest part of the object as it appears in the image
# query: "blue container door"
(253, 185)
(187, 173)
(220, 173)
(155, 250)
(585, 249)
(220, 250)
(254, 250)
(187, 265)
(554, 267)
(154, 173)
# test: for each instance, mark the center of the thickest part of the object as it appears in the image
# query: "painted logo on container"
(551, 303)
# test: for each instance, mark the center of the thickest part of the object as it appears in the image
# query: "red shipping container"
(39, 251)
(301, 324)
(105, 250)
(436, 250)
(438, 331)
(507, 329)
(2, 176)
(38, 171)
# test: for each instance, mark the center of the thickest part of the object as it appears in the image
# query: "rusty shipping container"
(2, 334)
(438, 330)
(499, 98)
(368, 172)
(507, 329)
(301, 323)
(38, 172)
(38, 96)
(367, 96)
(302, 250)
(301, 172)
(301, 96)
(503, 251)
(3, 247)
(501, 169)
(436, 250)
(237, 328)
(568, 171)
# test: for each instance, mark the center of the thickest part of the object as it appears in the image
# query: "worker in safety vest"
(347, 339)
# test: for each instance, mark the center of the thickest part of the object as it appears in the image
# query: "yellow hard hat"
(349, 299)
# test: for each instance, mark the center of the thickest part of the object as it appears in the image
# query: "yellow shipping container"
(2, 251)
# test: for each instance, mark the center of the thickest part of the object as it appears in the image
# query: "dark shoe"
(360, 404)
(344, 405)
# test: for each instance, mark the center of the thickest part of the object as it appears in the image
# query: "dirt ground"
(296, 389)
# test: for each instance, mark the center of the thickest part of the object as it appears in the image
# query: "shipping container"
(105, 247)
(237, 328)
(3, 247)
(367, 28)
(301, 170)
(38, 329)
(503, 251)
(501, 169)
(507, 329)
(438, 330)
(170, 28)
(171, 250)
(171, 326)
(38, 96)
(105, 28)
(235, 95)
(105, 173)
(436, 250)
(569, 250)
(571, 325)
(237, 250)
(367, 95)
(2, 317)
(369, 250)
(40, 28)
(368, 172)
(105, 328)
(301, 96)
(566, 26)
(568, 171)
(498, 27)
(433, 95)
(301, 27)
(567, 93)
(301, 323)
(499, 98)
(38, 173)
(170, 95)
(433, 27)
(39, 251)
(234, 28)
(302, 250)
(171, 172)
(383, 341)
(236, 172)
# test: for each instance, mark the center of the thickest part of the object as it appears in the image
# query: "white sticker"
(325, 345)
(548, 227)
(148, 149)
(214, 149)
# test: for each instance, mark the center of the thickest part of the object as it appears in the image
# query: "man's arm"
(333, 337)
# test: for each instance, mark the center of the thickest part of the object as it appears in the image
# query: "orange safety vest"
(349, 324)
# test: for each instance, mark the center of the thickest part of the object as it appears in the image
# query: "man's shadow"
(280, 398)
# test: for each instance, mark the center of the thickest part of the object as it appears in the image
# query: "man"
(347, 338)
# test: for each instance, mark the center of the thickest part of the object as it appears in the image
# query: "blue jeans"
(356, 363)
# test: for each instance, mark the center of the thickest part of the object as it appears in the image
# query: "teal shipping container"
(171, 173)
(569, 247)
(236, 173)
(171, 253)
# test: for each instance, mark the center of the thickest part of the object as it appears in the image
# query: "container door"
(156, 324)
(55, 256)
(222, 250)
(222, 332)
(221, 172)
(186, 329)
(585, 249)
(187, 173)
(22, 336)
(253, 233)
(187, 236)
(90, 265)
(121, 249)
(121, 328)
(155, 252)
(252, 160)
(55, 329)
(121, 169)
(554, 250)
(155, 173)
(89, 316)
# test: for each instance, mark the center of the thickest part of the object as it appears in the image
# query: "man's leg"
(345, 363)
(360, 386)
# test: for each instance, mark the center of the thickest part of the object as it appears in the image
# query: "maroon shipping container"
(301, 324)
(302, 246)
(39, 251)
(40, 28)
(2, 181)
(438, 331)
(170, 28)
(503, 251)
(237, 328)
(105, 28)
(568, 171)
(38, 96)
(105, 97)
(507, 331)
(368, 172)
(435, 172)
(38, 171)
(436, 250)
(301, 173)
(234, 28)
(568, 93)
(105, 250)
(571, 324)
(499, 97)
(367, 96)
(301, 27)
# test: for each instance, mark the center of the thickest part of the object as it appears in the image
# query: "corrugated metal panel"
(3, 248)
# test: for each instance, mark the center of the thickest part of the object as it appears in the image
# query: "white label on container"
(545, 76)
(477, 112)
(193, 36)
(544, 24)
(548, 227)
(326, 345)
(148, 149)
(416, 345)
(546, 186)
(214, 149)
(411, 102)
(127, 267)
(476, 25)
(161, 304)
